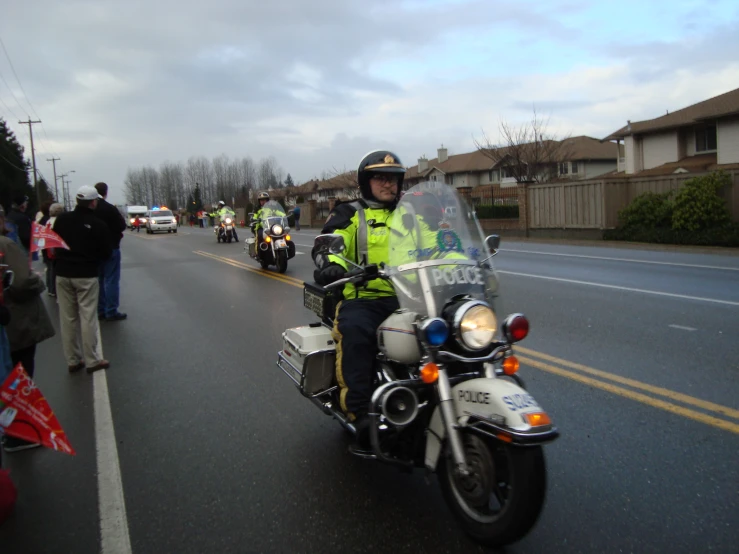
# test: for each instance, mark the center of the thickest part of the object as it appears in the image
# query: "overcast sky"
(319, 83)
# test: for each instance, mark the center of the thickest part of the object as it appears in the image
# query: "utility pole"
(33, 158)
(56, 189)
(65, 190)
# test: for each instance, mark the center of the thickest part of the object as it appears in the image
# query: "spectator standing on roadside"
(110, 270)
(49, 254)
(77, 281)
(20, 221)
(29, 323)
(296, 217)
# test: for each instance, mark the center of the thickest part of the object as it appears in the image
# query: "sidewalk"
(678, 248)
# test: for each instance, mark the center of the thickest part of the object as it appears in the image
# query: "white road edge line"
(682, 327)
(629, 289)
(619, 259)
(114, 537)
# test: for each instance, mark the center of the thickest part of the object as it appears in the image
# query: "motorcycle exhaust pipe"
(399, 405)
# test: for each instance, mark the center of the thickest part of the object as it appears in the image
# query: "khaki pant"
(78, 315)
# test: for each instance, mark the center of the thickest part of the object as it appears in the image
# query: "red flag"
(25, 413)
(43, 237)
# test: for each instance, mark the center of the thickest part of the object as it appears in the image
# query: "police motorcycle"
(225, 229)
(277, 247)
(448, 397)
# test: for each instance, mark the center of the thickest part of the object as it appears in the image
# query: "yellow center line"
(619, 391)
(639, 397)
(710, 406)
(276, 276)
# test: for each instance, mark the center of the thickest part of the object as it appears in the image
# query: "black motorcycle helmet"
(379, 161)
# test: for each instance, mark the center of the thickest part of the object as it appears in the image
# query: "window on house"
(563, 169)
(506, 172)
(433, 178)
(705, 138)
(574, 167)
(490, 175)
(451, 179)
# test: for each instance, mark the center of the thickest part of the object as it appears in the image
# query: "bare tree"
(170, 185)
(529, 153)
(135, 192)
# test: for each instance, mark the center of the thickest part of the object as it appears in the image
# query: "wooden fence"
(594, 204)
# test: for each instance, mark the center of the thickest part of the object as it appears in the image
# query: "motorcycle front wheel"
(500, 500)
(282, 261)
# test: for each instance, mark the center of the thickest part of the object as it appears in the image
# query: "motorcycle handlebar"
(358, 275)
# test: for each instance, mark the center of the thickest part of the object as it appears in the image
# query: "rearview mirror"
(329, 244)
(493, 243)
(409, 222)
(251, 215)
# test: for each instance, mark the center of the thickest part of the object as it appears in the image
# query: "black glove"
(329, 274)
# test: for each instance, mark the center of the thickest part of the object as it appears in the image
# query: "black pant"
(26, 356)
(356, 349)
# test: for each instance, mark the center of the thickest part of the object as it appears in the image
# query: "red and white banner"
(25, 413)
(43, 237)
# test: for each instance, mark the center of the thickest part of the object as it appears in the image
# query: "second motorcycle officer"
(365, 226)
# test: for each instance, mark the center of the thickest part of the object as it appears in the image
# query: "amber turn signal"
(430, 373)
(288, 237)
(510, 365)
(267, 239)
(538, 419)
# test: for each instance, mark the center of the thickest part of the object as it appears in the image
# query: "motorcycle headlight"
(228, 221)
(277, 229)
(475, 325)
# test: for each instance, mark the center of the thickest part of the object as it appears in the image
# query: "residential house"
(701, 137)
(585, 158)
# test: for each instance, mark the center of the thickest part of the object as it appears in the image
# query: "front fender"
(493, 407)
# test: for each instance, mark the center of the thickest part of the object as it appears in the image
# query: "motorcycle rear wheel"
(501, 499)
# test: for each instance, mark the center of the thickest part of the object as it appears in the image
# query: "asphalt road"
(632, 352)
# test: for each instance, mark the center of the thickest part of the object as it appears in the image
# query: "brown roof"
(718, 106)
(457, 163)
(589, 148)
(691, 164)
(579, 148)
(337, 182)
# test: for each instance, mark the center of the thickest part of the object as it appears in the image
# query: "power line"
(28, 100)
(11, 91)
(13, 165)
(25, 94)
(8, 108)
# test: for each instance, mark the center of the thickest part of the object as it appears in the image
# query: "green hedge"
(497, 212)
(718, 236)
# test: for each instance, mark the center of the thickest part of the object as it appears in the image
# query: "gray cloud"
(133, 83)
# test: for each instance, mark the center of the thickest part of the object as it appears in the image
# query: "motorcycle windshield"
(273, 214)
(437, 250)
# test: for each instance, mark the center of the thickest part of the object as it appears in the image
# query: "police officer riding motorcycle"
(226, 229)
(412, 361)
(364, 224)
(271, 245)
(256, 222)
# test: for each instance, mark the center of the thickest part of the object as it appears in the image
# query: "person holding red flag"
(29, 321)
